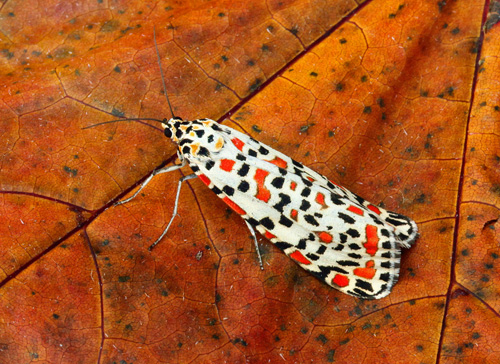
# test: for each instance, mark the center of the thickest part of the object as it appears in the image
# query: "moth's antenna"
(127, 119)
(161, 73)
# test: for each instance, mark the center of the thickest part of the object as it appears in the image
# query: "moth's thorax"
(199, 139)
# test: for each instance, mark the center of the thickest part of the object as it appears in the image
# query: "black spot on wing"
(284, 200)
(353, 233)
(285, 221)
(395, 222)
(282, 245)
(347, 219)
(305, 205)
(209, 164)
(321, 250)
(243, 171)
(263, 150)
(243, 186)
(311, 220)
(364, 285)
(386, 277)
(267, 223)
(216, 190)
(278, 182)
(336, 199)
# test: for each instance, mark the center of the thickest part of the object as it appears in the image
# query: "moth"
(337, 236)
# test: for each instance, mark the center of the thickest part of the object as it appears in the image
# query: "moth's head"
(200, 139)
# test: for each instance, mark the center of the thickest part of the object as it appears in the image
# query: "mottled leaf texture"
(399, 101)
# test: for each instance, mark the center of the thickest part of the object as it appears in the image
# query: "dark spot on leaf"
(294, 30)
(117, 69)
(313, 74)
(469, 235)
(322, 338)
(123, 279)
(330, 356)
(72, 172)
(441, 4)
(475, 46)
(366, 326)
(110, 26)
(255, 85)
(117, 113)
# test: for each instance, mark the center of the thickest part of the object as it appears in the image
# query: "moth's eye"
(168, 132)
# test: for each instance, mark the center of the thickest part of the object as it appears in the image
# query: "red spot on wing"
(340, 280)
(279, 162)
(204, 179)
(368, 272)
(325, 237)
(320, 198)
(356, 210)
(299, 257)
(310, 178)
(238, 143)
(293, 186)
(262, 192)
(269, 235)
(294, 213)
(234, 206)
(227, 165)
(371, 244)
(375, 209)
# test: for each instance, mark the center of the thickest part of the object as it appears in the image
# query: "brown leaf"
(397, 101)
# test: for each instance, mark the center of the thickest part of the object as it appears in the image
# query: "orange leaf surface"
(397, 101)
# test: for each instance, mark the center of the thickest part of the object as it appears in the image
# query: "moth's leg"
(252, 231)
(185, 178)
(155, 173)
